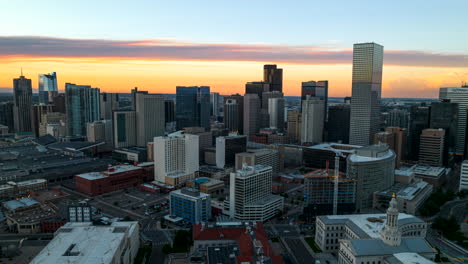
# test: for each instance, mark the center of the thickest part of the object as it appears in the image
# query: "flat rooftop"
(367, 225)
(85, 243)
(251, 170)
(429, 171)
(405, 191)
(344, 148)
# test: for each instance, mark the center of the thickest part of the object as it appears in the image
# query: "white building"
(84, 243)
(276, 112)
(312, 120)
(176, 158)
(250, 197)
(464, 176)
(459, 96)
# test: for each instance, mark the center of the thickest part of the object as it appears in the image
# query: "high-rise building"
(459, 96)
(386, 138)
(366, 93)
(22, 104)
(267, 157)
(273, 76)
(149, 109)
(6, 115)
(319, 189)
(191, 205)
(193, 106)
(265, 96)
(258, 88)
(205, 139)
(431, 148)
(101, 131)
(463, 176)
(47, 87)
(82, 107)
(317, 89)
(38, 112)
(124, 129)
(339, 117)
(109, 102)
(373, 168)
(444, 115)
(276, 113)
(323, 155)
(227, 148)
(294, 126)
(396, 118)
(214, 105)
(419, 120)
(250, 194)
(251, 114)
(312, 122)
(59, 103)
(176, 158)
(234, 113)
(399, 143)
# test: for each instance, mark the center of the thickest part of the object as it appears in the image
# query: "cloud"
(166, 49)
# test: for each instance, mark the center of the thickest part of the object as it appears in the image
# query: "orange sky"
(225, 77)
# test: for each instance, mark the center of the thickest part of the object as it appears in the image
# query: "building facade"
(191, 205)
(431, 148)
(338, 123)
(312, 122)
(82, 107)
(109, 102)
(193, 106)
(274, 76)
(150, 123)
(22, 105)
(459, 96)
(419, 120)
(463, 176)
(251, 114)
(234, 113)
(227, 148)
(47, 87)
(124, 129)
(276, 112)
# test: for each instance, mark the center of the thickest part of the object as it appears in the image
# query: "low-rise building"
(82, 243)
(13, 190)
(410, 196)
(464, 176)
(436, 176)
(191, 205)
(209, 186)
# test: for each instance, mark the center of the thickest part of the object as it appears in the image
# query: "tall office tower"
(316, 89)
(47, 87)
(82, 106)
(373, 168)
(258, 88)
(134, 92)
(101, 131)
(267, 157)
(266, 97)
(250, 197)
(150, 123)
(312, 120)
(459, 96)
(386, 138)
(419, 120)
(294, 126)
(366, 92)
(399, 143)
(38, 112)
(22, 108)
(214, 105)
(176, 158)
(431, 148)
(273, 76)
(59, 103)
(191, 205)
(339, 117)
(109, 103)
(319, 189)
(251, 114)
(52, 118)
(6, 115)
(444, 115)
(234, 114)
(396, 118)
(169, 110)
(463, 176)
(124, 129)
(193, 106)
(276, 112)
(227, 148)
(205, 139)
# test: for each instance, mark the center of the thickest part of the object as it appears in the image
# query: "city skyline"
(158, 46)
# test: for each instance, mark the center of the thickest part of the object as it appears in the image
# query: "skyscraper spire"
(21, 71)
(390, 234)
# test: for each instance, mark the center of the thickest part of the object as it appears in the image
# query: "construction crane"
(336, 176)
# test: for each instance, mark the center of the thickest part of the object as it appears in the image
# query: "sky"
(157, 45)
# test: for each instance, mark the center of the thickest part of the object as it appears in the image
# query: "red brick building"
(115, 178)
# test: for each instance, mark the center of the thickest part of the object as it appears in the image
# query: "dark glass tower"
(444, 115)
(22, 104)
(273, 76)
(419, 120)
(339, 117)
(193, 106)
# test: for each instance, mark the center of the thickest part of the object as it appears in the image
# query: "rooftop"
(85, 243)
(22, 203)
(405, 191)
(252, 170)
(367, 225)
(429, 171)
(190, 193)
(376, 247)
(344, 148)
(407, 258)
(372, 153)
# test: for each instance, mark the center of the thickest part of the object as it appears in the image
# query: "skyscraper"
(251, 114)
(82, 107)
(273, 76)
(6, 115)
(366, 93)
(192, 106)
(459, 96)
(101, 131)
(150, 123)
(47, 87)
(339, 117)
(39, 110)
(419, 120)
(227, 148)
(294, 126)
(234, 112)
(22, 104)
(431, 148)
(109, 102)
(258, 88)
(316, 89)
(276, 113)
(214, 103)
(312, 120)
(124, 129)
(444, 115)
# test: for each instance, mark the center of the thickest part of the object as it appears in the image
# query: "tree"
(167, 249)
(182, 241)
(127, 219)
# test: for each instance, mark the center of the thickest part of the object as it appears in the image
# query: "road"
(446, 248)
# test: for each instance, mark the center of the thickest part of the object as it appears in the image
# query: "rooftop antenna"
(21, 71)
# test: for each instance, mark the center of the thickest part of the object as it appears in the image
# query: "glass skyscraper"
(22, 104)
(82, 106)
(366, 93)
(47, 87)
(193, 106)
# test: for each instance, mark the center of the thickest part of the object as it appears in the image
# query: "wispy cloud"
(166, 49)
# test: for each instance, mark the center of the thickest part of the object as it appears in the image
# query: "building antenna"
(21, 71)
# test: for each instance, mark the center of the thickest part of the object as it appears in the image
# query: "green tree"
(167, 249)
